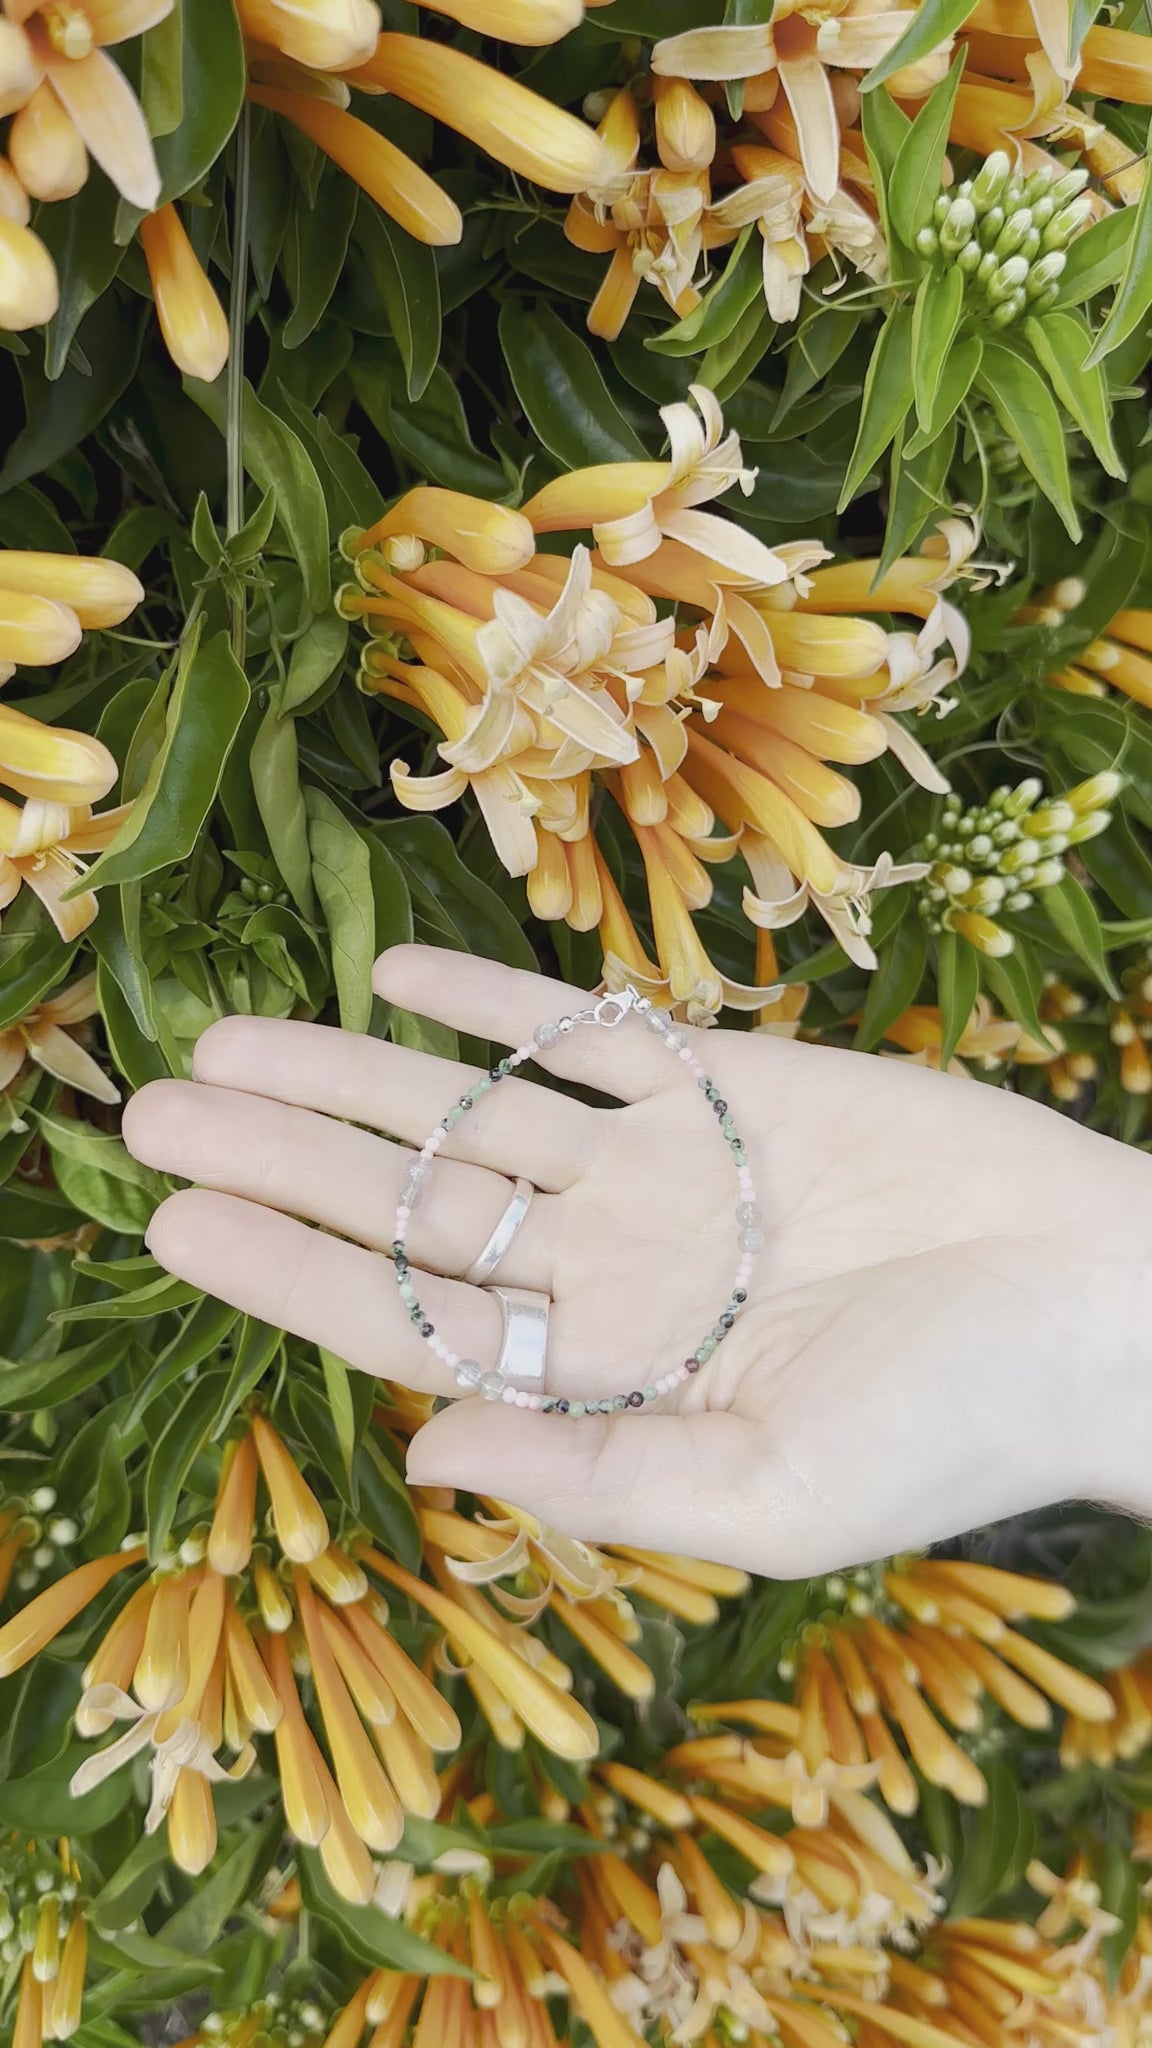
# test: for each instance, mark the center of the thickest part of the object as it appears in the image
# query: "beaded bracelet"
(470, 1377)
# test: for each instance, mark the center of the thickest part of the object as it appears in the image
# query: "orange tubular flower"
(43, 1911)
(192, 320)
(987, 1041)
(29, 289)
(909, 1647)
(44, 1036)
(77, 102)
(303, 62)
(547, 673)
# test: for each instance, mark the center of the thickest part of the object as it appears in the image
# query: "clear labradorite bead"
(656, 1020)
(674, 1040)
(469, 1373)
(747, 1215)
(751, 1240)
(546, 1036)
(492, 1386)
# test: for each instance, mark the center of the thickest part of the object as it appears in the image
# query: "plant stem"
(237, 323)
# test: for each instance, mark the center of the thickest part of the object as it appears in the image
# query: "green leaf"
(132, 1884)
(713, 320)
(338, 1388)
(558, 382)
(1027, 412)
(199, 1337)
(162, 73)
(116, 939)
(197, 1925)
(277, 460)
(1070, 908)
(895, 980)
(342, 872)
(254, 1353)
(99, 1176)
(1096, 258)
(34, 1384)
(957, 987)
(886, 401)
(885, 127)
(935, 318)
(139, 1304)
(275, 769)
(1119, 1883)
(372, 1936)
(213, 76)
(173, 1457)
(449, 900)
(932, 23)
(41, 1802)
(316, 656)
(59, 415)
(914, 184)
(959, 375)
(204, 712)
(80, 238)
(315, 252)
(404, 273)
(998, 1840)
(1062, 341)
(1017, 983)
(1134, 293)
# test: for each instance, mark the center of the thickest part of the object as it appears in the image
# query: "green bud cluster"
(37, 1883)
(278, 2020)
(1007, 235)
(993, 857)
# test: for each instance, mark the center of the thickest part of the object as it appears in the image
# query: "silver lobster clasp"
(611, 1010)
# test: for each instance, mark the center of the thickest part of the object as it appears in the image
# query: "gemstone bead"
(546, 1036)
(747, 1215)
(468, 1373)
(492, 1386)
(751, 1240)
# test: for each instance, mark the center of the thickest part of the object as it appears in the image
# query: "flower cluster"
(907, 1646)
(43, 1938)
(554, 676)
(1007, 236)
(994, 856)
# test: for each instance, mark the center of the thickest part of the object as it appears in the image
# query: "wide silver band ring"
(524, 1353)
(502, 1237)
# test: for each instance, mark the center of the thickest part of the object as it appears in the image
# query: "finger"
(320, 1288)
(514, 1129)
(508, 1005)
(692, 1485)
(333, 1174)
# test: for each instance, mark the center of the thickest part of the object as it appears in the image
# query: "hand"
(949, 1322)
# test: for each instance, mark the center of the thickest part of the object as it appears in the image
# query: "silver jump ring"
(524, 1353)
(507, 1229)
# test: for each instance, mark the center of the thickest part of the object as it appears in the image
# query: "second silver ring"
(507, 1229)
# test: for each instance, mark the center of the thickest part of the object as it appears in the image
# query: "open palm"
(949, 1271)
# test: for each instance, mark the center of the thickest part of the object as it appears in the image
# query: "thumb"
(702, 1486)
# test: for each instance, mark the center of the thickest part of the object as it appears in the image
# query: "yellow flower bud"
(1097, 791)
(337, 1577)
(68, 1991)
(19, 71)
(306, 1808)
(192, 320)
(685, 128)
(50, 762)
(372, 1805)
(14, 202)
(662, 1802)
(100, 592)
(275, 1607)
(256, 1696)
(192, 1823)
(28, 2031)
(324, 35)
(298, 1519)
(233, 1522)
(50, 1612)
(493, 539)
(35, 632)
(29, 291)
(161, 1672)
(517, 127)
(988, 938)
(514, 21)
(45, 145)
(46, 1954)
(405, 192)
